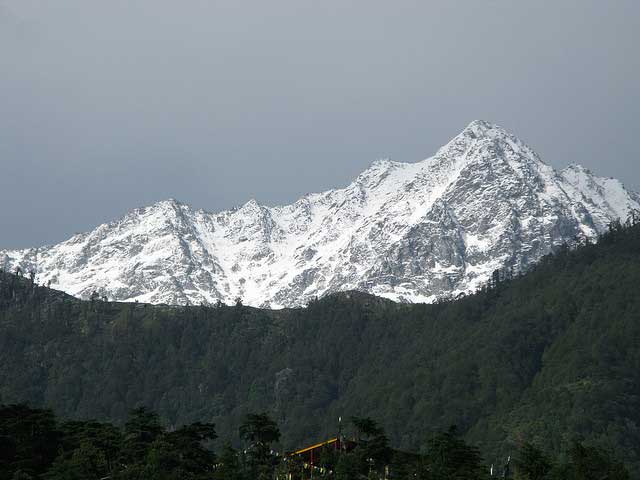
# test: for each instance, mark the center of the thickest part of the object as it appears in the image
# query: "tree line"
(36, 445)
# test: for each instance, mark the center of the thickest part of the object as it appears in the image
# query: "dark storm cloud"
(105, 106)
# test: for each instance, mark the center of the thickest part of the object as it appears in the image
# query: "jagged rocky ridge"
(406, 231)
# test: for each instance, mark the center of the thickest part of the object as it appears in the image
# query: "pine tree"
(141, 430)
(260, 431)
(531, 463)
(449, 457)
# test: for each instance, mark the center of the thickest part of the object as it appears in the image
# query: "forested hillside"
(548, 357)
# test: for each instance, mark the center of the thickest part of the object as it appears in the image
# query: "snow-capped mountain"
(406, 231)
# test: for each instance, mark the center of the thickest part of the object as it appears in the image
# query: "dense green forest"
(34, 445)
(549, 358)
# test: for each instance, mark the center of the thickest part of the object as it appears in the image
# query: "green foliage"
(37, 447)
(542, 357)
(531, 463)
(372, 452)
(86, 462)
(140, 432)
(86, 451)
(448, 457)
(260, 431)
(182, 453)
(590, 463)
(28, 441)
(229, 467)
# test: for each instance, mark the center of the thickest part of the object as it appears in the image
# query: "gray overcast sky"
(110, 105)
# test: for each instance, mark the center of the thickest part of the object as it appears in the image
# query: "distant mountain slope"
(410, 232)
(546, 357)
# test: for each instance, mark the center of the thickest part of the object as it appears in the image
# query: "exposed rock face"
(407, 231)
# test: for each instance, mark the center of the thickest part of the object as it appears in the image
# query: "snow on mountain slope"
(406, 231)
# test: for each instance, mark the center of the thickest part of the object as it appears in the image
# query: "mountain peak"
(406, 231)
(251, 205)
(480, 127)
(491, 144)
(164, 205)
(168, 202)
(482, 130)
